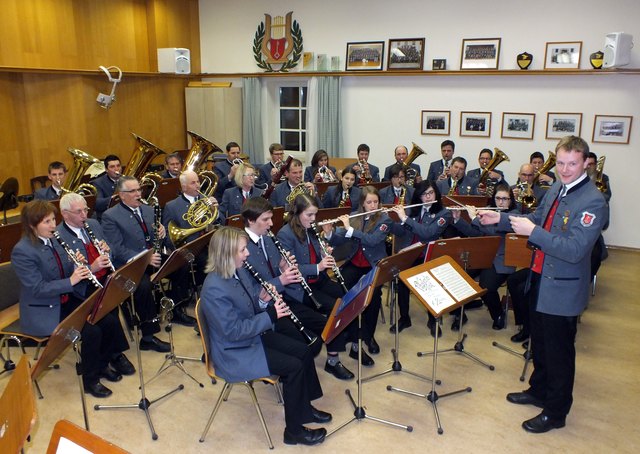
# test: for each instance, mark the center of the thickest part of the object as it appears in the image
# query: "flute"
(72, 255)
(334, 268)
(285, 256)
(367, 213)
(96, 244)
(275, 296)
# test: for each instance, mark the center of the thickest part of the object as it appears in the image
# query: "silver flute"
(276, 296)
(72, 255)
(286, 258)
(96, 244)
(334, 268)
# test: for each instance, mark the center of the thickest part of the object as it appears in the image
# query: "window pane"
(303, 142)
(289, 96)
(289, 119)
(290, 140)
(303, 119)
(303, 92)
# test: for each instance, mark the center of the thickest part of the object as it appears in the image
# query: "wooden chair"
(67, 437)
(41, 181)
(226, 389)
(17, 409)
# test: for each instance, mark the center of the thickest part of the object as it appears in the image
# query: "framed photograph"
(475, 124)
(435, 122)
(517, 125)
(406, 53)
(480, 53)
(563, 124)
(562, 55)
(439, 64)
(611, 129)
(368, 56)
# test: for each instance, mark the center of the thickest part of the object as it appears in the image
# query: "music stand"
(9, 236)
(322, 187)
(378, 185)
(17, 409)
(470, 253)
(120, 285)
(346, 309)
(324, 214)
(168, 189)
(68, 333)
(389, 269)
(517, 253)
(184, 255)
(278, 220)
(441, 285)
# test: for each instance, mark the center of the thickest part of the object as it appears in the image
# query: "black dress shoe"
(155, 344)
(542, 423)
(373, 347)
(181, 318)
(97, 389)
(338, 371)
(499, 323)
(455, 326)
(366, 359)
(404, 322)
(319, 416)
(520, 336)
(306, 437)
(110, 374)
(433, 326)
(475, 304)
(524, 398)
(122, 365)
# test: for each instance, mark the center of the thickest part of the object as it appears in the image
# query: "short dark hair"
(485, 150)
(175, 154)
(275, 147)
(535, 154)
(363, 147)
(459, 159)
(592, 155)
(448, 142)
(109, 158)
(231, 145)
(57, 165)
(253, 208)
(395, 170)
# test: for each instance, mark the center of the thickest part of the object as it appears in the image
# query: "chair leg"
(225, 390)
(249, 385)
(593, 285)
(277, 388)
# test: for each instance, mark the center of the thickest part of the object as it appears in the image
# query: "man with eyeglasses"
(107, 348)
(495, 176)
(270, 169)
(526, 174)
(128, 227)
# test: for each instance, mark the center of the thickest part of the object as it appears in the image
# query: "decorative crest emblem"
(279, 42)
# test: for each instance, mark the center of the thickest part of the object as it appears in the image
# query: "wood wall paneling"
(215, 113)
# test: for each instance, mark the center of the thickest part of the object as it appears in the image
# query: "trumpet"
(96, 244)
(327, 175)
(276, 296)
(366, 213)
(335, 269)
(286, 258)
(364, 174)
(72, 255)
(237, 162)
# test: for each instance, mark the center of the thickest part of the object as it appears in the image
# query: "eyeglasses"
(132, 190)
(78, 212)
(503, 199)
(429, 192)
(250, 175)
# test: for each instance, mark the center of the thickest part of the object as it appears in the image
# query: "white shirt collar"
(575, 183)
(254, 237)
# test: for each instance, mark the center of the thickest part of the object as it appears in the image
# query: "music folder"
(441, 285)
(182, 256)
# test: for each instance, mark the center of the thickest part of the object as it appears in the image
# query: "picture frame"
(439, 64)
(518, 125)
(405, 54)
(435, 122)
(365, 56)
(475, 124)
(480, 53)
(611, 128)
(560, 124)
(562, 55)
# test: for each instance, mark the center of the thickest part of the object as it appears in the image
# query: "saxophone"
(454, 185)
(344, 200)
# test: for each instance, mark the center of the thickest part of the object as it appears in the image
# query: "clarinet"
(275, 296)
(285, 256)
(334, 268)
(157, 216)
(96, 243)
(94, 280)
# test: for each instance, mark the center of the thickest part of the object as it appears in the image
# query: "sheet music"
(452, 281)
(431, 291)
(66, 446)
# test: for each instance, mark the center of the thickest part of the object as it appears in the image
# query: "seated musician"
(293, 176)
(57, 173)
(272, 167)
(172, 166)
(525, 179)
(344, 194)
(495, 176)
(401, 153)
(397, 193)
(423, 224)
(173, 212)
(368, 169)
(51, 289)
(439, 169)
(106, 184)
(299, 238)
(244, 189)
(226, 169)
(243, 345)
(537, 160)
(603, 184)
(129, 229)
(366, 234)
(320, 171)
(490, 278)
(458, 183)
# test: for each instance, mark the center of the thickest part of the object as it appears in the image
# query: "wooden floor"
(604, 417)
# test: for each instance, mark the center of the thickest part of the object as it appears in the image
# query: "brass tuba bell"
(143, 153)
(498, 157)
(409, 171)
(81, 162)
(549, 164)
(599, 181)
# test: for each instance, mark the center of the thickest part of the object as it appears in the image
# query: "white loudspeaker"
(617, 49)
(174, 60)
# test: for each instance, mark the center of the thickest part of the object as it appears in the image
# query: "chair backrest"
(204, 337)
(10, 294)
(41, 181)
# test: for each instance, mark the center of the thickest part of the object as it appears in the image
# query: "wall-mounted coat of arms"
(277, 45)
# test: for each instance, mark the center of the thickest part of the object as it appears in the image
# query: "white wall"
(385, 111)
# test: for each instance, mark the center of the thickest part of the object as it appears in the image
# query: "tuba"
(200, 150)
(81, 162)
(549, 164)
(143, 153)
(498, 157)
(599, 175)
(410, 172)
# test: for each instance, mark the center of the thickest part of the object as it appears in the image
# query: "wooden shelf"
(91, 72)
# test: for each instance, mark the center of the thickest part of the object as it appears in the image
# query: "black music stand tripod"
(470, 253)
(125, 281)
(336, 323)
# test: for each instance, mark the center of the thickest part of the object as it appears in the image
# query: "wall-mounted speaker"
(174, 60)
(617, 49)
